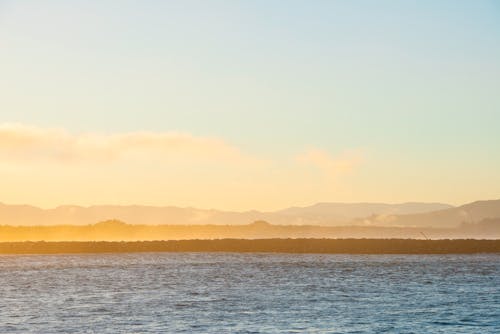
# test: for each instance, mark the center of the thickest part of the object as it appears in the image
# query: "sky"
(241, 105)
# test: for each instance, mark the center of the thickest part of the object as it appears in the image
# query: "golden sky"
(248, 104)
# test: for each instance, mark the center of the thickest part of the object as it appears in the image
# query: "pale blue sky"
(410, 83)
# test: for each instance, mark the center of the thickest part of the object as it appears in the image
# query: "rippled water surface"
(227, 293)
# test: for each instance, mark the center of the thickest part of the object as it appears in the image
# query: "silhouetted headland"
(321, 246)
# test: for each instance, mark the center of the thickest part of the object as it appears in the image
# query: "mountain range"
(412, 214)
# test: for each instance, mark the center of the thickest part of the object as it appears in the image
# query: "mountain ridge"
(324, 213)
(408, 214)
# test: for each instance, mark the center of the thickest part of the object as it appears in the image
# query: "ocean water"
(249, 293)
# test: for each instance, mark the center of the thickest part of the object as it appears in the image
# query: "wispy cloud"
(50, 166)
(331, 166)
(19, 141)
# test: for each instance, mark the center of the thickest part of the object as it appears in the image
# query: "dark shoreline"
(299, 246)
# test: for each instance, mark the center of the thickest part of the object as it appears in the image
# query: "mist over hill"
(349, 212)
(327, 214)
(450, 217)
(322, 214)
(479, 219)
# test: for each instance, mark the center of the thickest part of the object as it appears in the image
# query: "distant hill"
(451, 217)
(321, 214)
(327, 214)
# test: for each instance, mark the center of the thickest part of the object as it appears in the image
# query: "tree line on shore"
(118, 231)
